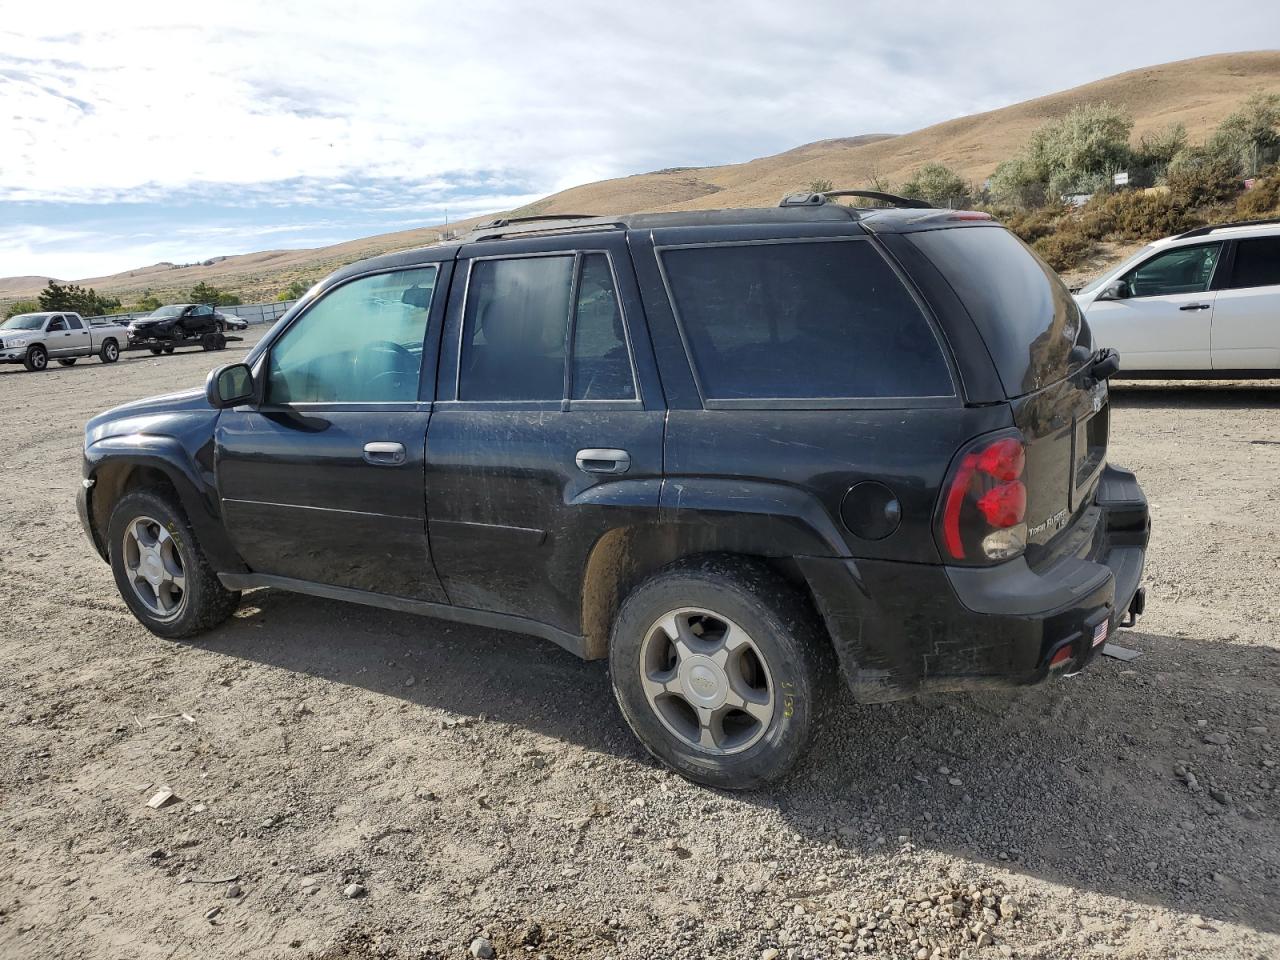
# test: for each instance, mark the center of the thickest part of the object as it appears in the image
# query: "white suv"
(1205, 303)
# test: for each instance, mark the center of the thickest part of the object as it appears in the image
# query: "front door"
(79, 342)
(544, 438)
(1165, 321)
(58, 336)
(322, 481)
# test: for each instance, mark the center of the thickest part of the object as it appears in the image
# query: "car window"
(1257, 263)
(1181, 270)
(359, 343)
(601, 368)
(74, 323)
(797, 320)
(202, 311)
(513, 329)
(57, 323)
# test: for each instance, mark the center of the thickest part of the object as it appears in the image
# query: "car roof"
(1260, 228)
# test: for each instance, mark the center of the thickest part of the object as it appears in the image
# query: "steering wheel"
(409, 367)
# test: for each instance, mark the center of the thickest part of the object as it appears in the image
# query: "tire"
(155, 351)
(785, 666)
(209, 342)
(219, 326)
(220, 342)
(37, 359)
(168, 349)
(68, 362)
(148, 542)
(110, 351)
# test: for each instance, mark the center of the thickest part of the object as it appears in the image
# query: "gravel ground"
(358, 783)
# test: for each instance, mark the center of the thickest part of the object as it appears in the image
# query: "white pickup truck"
(33, 339)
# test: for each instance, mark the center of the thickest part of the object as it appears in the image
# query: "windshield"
(173, 310)
(24, 321)
(1097, 281)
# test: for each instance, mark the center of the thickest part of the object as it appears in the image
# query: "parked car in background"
(231, 322)
(33, 339)
(743, 454)
(179, 324)
(1205, 303)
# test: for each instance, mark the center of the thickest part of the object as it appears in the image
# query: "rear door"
(1165, 322)
(547, 430)
(1246, 314)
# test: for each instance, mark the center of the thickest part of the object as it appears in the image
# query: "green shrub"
(1065, 248)
(1250, 134)
(1031, 225)
(1263, 200)
(22, 306)
(205, 293)
(1156, 150)
(1199, 177)
(820, 186)
(1135, 215)
(938, 184)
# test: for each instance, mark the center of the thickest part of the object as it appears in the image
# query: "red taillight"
(1005, 505)
(1061, 658)
(986, 494)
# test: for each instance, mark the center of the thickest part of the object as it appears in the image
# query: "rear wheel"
(160, 571)
(110, 352)
(37, 359)
(168, 349)
(155, 351)
(68, 361)
(720, 669)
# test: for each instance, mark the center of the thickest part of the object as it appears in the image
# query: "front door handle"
(603, 460)
(1195, 306)
(384, 453)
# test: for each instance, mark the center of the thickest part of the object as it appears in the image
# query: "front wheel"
(168, 349)
(160, 571)
(720, 669)
(37, 359)
(155, 351)
(110, 352)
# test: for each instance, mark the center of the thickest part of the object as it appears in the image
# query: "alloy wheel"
(154, 567)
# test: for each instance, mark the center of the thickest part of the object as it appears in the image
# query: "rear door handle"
(1195, 306)
(384, 453)
(603, 460)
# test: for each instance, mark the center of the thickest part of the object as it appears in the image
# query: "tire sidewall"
(37, 358)
(110, 352)
(781, 643)
(142, 503)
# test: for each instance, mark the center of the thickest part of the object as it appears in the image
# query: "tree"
(1156, 149)
(939, 185)
(294, 291)
(22, 306)
(148, 302)
(1076, 153)
(82, 300)
(1249, 135)
(204, 293)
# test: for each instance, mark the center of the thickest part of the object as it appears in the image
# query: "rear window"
(802, 320)
(1257, 263)
(1024, 313)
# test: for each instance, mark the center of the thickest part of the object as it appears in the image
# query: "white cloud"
(401, 104)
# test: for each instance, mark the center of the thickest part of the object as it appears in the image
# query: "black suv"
(739, 453)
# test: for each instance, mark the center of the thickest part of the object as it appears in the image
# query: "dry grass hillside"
(1197, 93)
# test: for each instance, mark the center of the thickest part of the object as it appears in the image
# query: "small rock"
(1008, 907)
(955, 781)
(1191, 781)
(354, 891)
(770, 954)
(990, 916)
(1219, 739)
(212, 912)
(481, 948)
(1257, 731)
(233, 891)
(1220, 795)
(984, 939)
(162, 798)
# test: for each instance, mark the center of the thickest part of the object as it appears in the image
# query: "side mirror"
(229, 386)
(1115, 290)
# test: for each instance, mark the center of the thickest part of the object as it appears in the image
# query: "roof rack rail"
(817, 199)
(525, 226)
(1210, 227)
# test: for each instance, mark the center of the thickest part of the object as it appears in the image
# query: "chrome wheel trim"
(112, 351)
(706, 681)
(154, 568)
(39, 359)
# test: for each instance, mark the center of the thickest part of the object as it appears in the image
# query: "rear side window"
(75, 323)
(1027, 318)
(802, 320)
(1257, 263)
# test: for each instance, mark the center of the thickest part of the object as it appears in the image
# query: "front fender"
(114, 466)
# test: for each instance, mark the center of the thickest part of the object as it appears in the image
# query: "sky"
(134, 132)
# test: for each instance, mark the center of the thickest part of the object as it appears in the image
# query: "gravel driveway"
(359, 783)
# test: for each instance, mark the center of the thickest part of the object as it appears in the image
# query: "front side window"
(802, 320)
(1181, 270)
(359, 343)
(57, 323)
(513, 331)
(1257, 263)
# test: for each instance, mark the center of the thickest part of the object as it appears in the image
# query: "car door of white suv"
(1163, 318)
(1246, 316)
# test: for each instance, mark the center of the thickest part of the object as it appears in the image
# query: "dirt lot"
(479, 784)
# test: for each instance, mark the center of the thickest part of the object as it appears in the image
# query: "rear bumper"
(900, 628)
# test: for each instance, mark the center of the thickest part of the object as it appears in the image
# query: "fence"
(251, 312)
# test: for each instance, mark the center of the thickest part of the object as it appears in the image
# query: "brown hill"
(1197, 93)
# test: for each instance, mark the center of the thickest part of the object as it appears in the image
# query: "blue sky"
(147, 131)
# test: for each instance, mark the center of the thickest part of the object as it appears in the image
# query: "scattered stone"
(1220, 795)
(1257, 731)
(770, 954)
(1218, 739)
(212, 912)
(162, 798)
(354, 891)
(531, 935)
(1008, 907)
(309, 885)
(955, 782)
(481, 948)
(233, 891)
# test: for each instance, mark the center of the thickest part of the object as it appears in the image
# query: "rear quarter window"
(1021, 308)
(792, 320)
